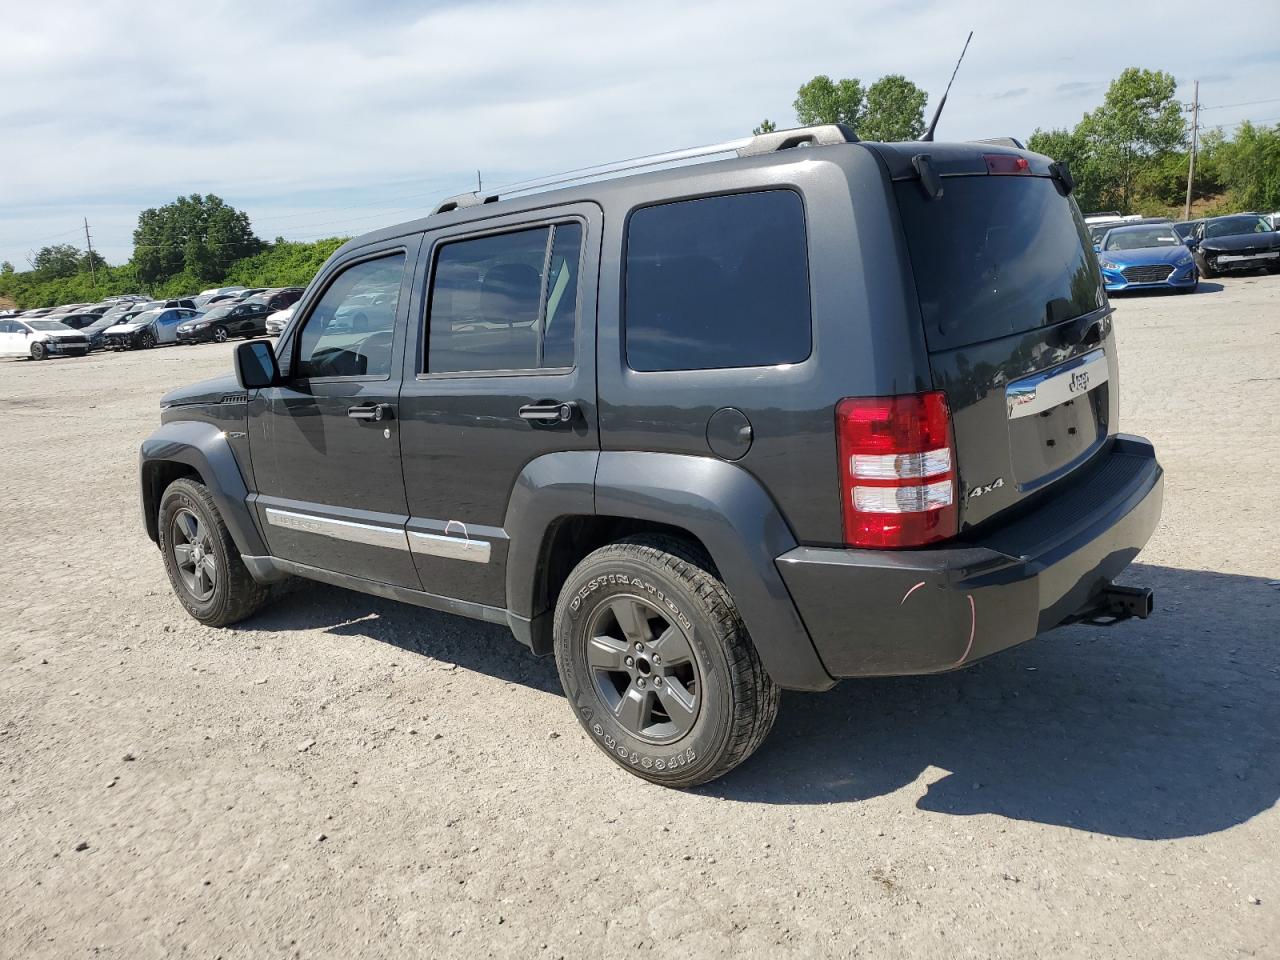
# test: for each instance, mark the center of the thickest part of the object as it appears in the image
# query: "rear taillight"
(897, 470)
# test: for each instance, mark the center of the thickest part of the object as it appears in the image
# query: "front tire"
(657, 664)
(39, 351)
(201, 559)
(220, 334)
(146, 340)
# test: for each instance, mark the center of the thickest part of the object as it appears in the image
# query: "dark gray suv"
(817, 409)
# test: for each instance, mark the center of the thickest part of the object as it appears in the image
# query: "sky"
(326, 118)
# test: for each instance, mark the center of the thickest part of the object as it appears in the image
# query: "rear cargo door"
(1018, 330)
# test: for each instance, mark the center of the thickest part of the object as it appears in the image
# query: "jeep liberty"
(798, 409)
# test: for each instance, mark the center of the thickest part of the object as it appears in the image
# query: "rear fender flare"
(735, 519)
(718, 503)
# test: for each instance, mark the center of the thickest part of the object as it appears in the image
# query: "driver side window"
(349, 332)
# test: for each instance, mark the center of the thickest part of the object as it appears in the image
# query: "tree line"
(1129, 154)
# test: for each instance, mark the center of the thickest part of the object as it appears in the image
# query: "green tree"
(201, 236)
(1071, 147)
(6, 269)
(1140, 120)
(59, 260)
(766, 126)
(894, 110)
(823, 100)
(1249, 166)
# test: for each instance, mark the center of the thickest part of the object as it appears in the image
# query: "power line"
(1245, 103)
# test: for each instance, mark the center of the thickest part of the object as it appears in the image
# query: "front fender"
(205, 449)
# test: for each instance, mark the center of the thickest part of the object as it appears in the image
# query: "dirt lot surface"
(342, 776)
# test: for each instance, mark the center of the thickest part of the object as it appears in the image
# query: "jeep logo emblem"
(1079, 382)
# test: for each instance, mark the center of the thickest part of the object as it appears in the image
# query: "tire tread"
(755, 695)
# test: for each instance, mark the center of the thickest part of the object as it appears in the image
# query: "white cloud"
(292, 110)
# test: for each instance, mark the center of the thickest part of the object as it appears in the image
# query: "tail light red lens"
(897, 470)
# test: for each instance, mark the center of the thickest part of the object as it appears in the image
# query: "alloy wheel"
(193, 554)
(644, 669)
(220, 334)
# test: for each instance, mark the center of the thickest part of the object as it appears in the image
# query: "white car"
(148, 328)
(278, 320)
(38, 338)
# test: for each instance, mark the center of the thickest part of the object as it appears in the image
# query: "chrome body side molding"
(391, 537)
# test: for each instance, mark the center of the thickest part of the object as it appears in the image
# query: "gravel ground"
(344, 776)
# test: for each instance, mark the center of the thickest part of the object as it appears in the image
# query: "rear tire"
(677, 722)
(219, 592)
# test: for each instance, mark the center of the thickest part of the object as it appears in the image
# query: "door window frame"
(515, 223)
(407, 247)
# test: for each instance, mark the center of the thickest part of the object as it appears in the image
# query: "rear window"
(997, 255)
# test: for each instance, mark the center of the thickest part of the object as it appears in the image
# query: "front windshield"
(46, 325)
(1161, 236)
(1235, 226)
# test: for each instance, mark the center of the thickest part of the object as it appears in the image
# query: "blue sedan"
(1146, 257)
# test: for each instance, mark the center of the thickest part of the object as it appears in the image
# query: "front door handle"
(548, 411)
(372, 411)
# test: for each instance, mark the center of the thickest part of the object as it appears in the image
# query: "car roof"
(946, 158)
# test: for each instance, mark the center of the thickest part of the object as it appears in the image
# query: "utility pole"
(1191, 159)
(93, 271)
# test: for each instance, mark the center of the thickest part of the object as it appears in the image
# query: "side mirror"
(256, 365)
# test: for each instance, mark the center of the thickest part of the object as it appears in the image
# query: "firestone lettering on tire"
(626, 580)
(640, 760)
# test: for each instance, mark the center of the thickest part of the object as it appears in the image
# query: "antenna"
(928, 134)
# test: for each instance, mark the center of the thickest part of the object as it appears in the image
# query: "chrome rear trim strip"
(391, 537)
(451, 548)
(1044, 391)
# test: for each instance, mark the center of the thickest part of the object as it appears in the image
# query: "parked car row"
(1155, 253)
(133, 322)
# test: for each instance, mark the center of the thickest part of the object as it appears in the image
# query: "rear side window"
(505, 302)
(718, 282)
(997, 255)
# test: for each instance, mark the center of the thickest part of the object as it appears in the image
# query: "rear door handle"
(372, 411)
(548, 411)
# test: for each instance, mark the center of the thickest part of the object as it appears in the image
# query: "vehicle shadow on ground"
(1152, 729)
(484, 647)
(1155, 729)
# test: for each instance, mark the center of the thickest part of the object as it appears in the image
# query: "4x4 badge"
(975, 492)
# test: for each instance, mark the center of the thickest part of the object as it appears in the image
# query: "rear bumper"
(877, 613)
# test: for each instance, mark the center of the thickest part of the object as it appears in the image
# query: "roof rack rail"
(754, 146)
(1003, 142)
